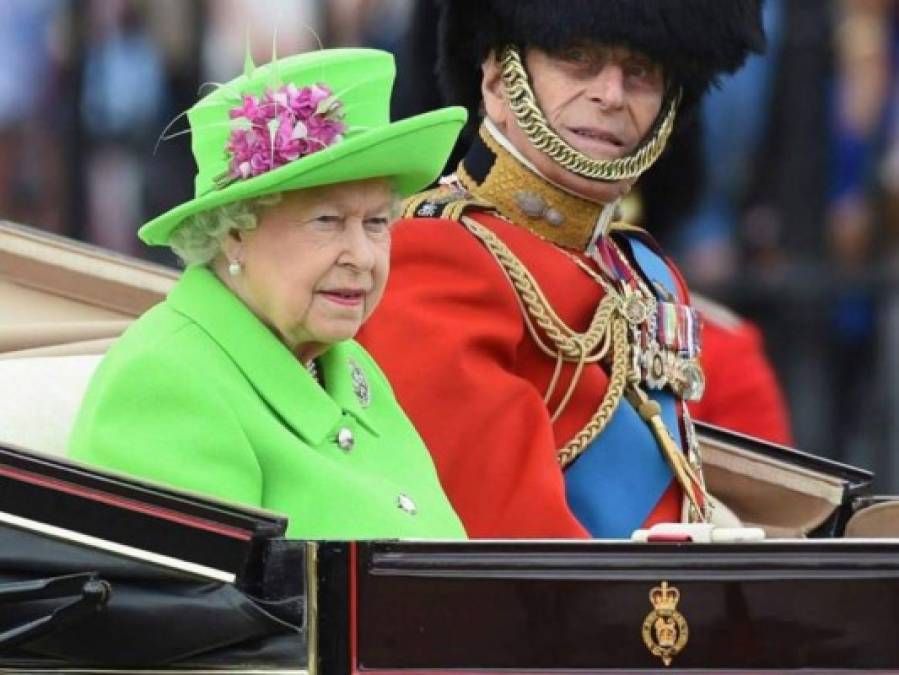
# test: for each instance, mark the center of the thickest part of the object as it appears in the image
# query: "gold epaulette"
(442, 202)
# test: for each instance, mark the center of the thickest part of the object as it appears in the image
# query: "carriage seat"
(40, 398)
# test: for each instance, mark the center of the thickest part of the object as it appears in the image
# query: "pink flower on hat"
(280, 127)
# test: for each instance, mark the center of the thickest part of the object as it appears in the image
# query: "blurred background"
(781, 200)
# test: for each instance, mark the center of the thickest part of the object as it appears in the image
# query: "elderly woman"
(245, 383)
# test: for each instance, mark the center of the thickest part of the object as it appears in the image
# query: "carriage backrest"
(41, 396)
(62, 303)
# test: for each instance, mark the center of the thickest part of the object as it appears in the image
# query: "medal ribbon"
(678, 328)
(618, 481)
(677, 325)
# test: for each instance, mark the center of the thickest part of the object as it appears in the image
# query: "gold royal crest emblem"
(665, 630)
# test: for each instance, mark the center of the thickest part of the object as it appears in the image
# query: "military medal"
(665, 333)
(690, 379)
(636, 309)
(670, 352)
(654, 367)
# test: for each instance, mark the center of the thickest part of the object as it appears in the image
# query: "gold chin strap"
(530, 118)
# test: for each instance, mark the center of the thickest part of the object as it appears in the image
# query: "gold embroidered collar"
(492, 174)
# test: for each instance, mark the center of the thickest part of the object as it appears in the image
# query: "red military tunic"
(451, 337)
(742, 392)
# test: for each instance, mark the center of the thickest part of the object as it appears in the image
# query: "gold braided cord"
(590, 345)
(530, 118)
(608, 329)
(572, 384)
(598, 278)
(609, 404)
(557, 370)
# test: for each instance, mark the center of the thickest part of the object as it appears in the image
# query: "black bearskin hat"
(694, 40)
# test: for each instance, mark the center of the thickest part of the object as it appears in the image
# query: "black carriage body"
(572, 607)
(131, 592)
(581, 607)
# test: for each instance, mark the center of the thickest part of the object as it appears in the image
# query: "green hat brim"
(410, 152)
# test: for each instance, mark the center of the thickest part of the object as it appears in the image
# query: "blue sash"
(616, 483)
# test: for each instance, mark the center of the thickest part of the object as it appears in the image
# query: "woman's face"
(315, 267)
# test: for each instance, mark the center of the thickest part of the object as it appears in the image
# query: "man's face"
(601, 100)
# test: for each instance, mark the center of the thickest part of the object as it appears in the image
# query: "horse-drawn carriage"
(102, 573)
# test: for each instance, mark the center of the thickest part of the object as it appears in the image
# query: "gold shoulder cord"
(410, 205)
(608, 329)
(441, 203)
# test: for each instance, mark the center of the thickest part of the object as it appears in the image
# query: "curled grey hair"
(199, 239)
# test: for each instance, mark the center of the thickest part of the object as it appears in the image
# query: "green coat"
(200, 395)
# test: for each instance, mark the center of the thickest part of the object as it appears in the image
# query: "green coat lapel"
(268, 365)
(347, 382)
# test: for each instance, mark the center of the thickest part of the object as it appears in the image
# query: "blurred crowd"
(788, 213)
(89, 86)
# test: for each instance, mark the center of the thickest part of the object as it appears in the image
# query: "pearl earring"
(235, 268)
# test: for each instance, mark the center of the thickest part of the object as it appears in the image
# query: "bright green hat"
(411, 152)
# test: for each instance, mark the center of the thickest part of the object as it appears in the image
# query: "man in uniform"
(557, 349)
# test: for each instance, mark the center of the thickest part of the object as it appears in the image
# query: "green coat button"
(406, 504)
(345, 439)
